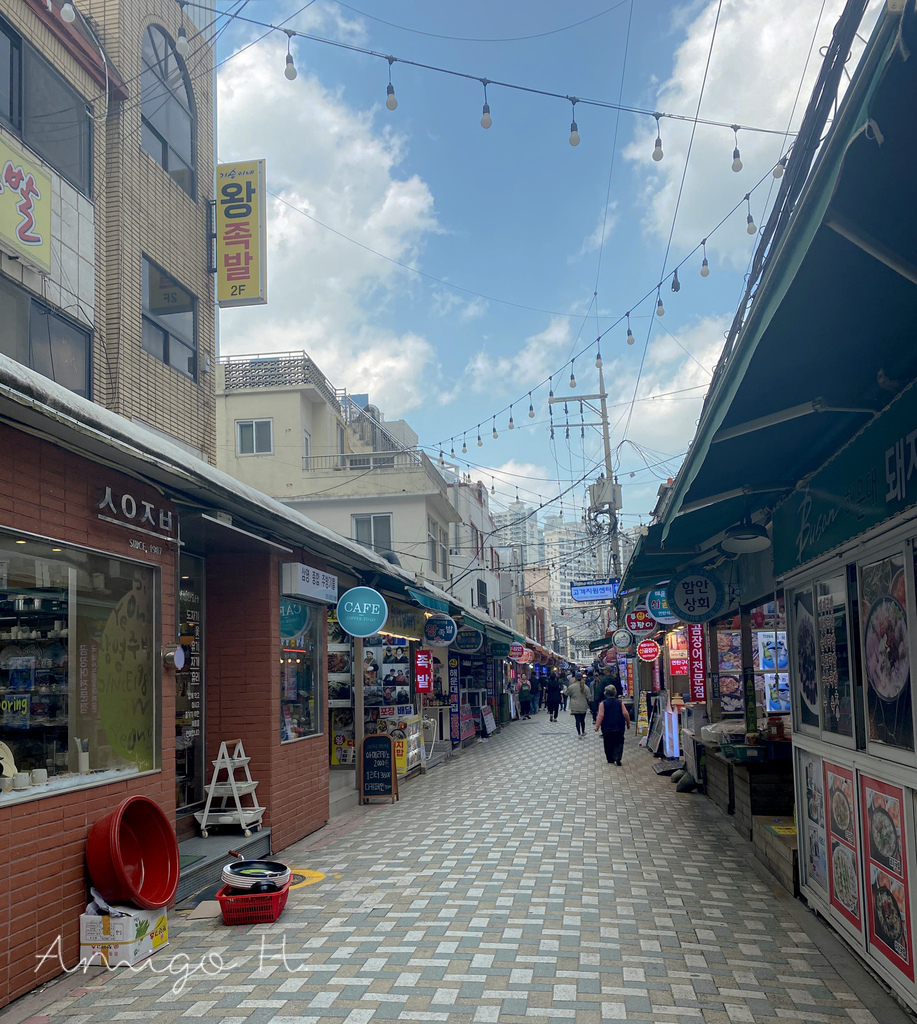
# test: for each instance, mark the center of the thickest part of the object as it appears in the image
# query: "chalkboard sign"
(378, 777)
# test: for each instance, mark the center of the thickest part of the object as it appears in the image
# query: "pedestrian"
(535, 684)
(612, 719)
(580, 701)
(552, 695)
(564, 683)
(525, 698)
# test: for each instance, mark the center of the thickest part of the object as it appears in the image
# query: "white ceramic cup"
(22, 780)
(39, 776)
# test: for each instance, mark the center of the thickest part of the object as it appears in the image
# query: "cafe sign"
(362, 611)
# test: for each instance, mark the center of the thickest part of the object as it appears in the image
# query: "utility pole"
(605, 493)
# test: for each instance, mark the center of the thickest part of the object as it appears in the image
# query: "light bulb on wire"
(574, 131)
(630, 334)
(736, 158)
(598, 355)
(779, 167)
(391, 101)
(572, 374)
(705, 266)
(464, 446)
(496, 435)
(486, 120)
(289, 72)
(68, 14)
(660, 309)
(752, 228)
(480, 442)
(531, 407)
(511, 425)
(657, 151)
(182, 46)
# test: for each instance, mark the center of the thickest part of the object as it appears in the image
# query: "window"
(341, 446)
(443, 553)
(300, 669)
(43, 110)
(169, 330)
(306, 445)
(58, 601)
(373, 532)
(167, 111)
(475, 542)
(433, 545)
(39, 338)
(482, 594)
(254, 437)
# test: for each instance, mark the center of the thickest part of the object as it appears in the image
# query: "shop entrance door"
(189, 696)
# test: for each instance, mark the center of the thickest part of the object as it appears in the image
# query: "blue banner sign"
(595, 590)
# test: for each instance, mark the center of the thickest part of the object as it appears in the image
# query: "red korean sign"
(648, 650)
(516, 650)
(423, 670)
(677, 643)
(640, 622)
(885, 854)
(697, 661)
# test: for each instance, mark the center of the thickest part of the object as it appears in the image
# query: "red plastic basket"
(252, 908)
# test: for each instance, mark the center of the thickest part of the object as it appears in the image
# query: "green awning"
(470, 620)
(499, 636)
(425, 601)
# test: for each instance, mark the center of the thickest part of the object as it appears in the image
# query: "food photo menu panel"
(888, 902)
(843, 858)
(814, 838)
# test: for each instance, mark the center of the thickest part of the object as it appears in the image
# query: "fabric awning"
(426, 601)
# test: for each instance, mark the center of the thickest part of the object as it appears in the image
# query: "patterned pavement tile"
(484, 897)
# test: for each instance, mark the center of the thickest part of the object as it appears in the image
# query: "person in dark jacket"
(552, 696)
(612, 719)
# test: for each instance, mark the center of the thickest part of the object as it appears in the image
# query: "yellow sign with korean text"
(241, 234)
(25, 207)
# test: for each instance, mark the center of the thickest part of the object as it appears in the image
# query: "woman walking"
(580, 697)
(612, 719)
(552, 696)
(525, 698)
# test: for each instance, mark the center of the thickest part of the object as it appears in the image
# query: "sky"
(449, 270)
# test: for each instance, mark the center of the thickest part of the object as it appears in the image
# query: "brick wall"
(43, 887)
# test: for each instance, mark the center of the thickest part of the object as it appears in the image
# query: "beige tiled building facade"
(122, 128)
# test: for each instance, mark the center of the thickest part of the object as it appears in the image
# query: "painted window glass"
(300, 669)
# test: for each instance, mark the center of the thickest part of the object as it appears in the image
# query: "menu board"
(843, 859)
(377, 768)
(886, 657)
(888, 902)
(771, 661)
(677, 642)
(834, 655)
(343, 741)
(729, 659)
(814, 838)
(806, 663)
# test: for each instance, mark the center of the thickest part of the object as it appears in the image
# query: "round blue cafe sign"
(362, 611)
(440, 630)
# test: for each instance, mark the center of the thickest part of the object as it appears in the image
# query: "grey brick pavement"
(525, 882)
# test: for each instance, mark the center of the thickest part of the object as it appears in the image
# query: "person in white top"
(580, 697)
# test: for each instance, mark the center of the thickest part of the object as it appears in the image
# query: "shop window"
(167, 108)
(373, 532)
(300, 669)
(255, 437)
(169, 315)
(40, 106)
(79, 672)
(41, 339)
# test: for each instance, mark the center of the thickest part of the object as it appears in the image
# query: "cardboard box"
(122, 939)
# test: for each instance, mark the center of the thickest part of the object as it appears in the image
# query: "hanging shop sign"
(122, 509)
(498, 650)
(25, 207)
(696, 595)
(640, 622)
(648, 650)
(440, 630)
(241, 234)
(516, 650)
(594, 590)
(298, 580)
(526, 657)
(622, 639)
(697, 663)
(362, 611)
(469, 640)
(658, 606)
(423, 670)
(404, 620)
(455, 721)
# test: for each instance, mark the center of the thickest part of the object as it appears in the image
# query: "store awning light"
(745, 538)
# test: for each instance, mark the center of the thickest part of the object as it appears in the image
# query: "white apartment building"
(474, 559)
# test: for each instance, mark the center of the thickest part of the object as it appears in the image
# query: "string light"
(705, 266)
(289, 72)
(182, 46)
(736, 158)
(574, 131)
(496, 435)
(391, 100)
(779, 167)
(464, 445)
(630, 334)
(442, 460)
(657, 152)
(68, 14)
(452, 451)
(493, 486)
(511, 425)
(572, 374)
(480, 442)
(486, 119)
(751, 229)
(676, 284)
(531, 407)
(660, 309)
(598, 354)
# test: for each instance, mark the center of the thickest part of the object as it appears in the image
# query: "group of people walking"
(609, 715)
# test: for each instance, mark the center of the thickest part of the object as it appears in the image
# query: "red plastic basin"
(132, 855)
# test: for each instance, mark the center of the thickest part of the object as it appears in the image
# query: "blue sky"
(568, 238)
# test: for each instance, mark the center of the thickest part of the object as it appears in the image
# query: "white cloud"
(601, 233)
(451, 304)
(754, 75)
(327, 295)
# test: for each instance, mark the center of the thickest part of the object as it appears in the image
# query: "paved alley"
(525, 881)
